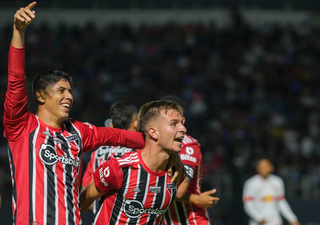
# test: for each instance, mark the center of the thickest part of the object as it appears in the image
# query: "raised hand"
(24, 16)
(205, 199)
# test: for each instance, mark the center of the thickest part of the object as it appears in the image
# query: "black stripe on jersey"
(69, 180)
(14, 188)
(142, 185)
(30, 164)
(158, 197)
(116, 210)
(71, 129)
(168, 217)
(181, 212)
(51, 195)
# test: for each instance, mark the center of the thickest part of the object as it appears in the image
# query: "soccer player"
(264, 197)
(190, 204)
(124, 116)
(140, 190)
(45, 149)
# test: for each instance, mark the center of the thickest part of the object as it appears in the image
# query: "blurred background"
(247, 69)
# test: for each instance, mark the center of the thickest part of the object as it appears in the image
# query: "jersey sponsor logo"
(268, 198)
(155, 189)
(134, 209)
(72, 138)
(49, 156)
(106, 172)
(101, 175)
(112, 150)
(189, 150)
(188, 158)
(136, 189)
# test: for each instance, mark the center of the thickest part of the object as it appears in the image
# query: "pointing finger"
(31, 5)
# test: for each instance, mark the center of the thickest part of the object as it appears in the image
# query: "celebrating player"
(140, 190)
(45, 149)
(190, 204)
(124, 116)
(264, 198)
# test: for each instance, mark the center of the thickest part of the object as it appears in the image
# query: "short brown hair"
(153, 109)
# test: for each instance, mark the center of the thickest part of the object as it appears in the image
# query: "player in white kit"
(264, 197)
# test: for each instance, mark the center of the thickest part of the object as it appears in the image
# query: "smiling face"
(56, 101)
(170, 130)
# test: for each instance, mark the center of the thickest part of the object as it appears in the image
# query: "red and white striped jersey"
(185, 212)
(45, 161)
(134, 193)
(97, 158)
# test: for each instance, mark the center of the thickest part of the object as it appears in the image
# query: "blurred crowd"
(250, 91)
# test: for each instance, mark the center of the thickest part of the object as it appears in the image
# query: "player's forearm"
(17, 37)
(85, 200)
(183, 198)
(286, 211)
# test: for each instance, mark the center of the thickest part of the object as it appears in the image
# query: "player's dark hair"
(123, 113)
(153, 110)
(48, 77)
(174, 98)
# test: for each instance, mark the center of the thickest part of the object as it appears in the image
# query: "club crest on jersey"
(49, 156)
(34, 223)
(73, 137)
(172, 189)
(134, 209)
(155, 189)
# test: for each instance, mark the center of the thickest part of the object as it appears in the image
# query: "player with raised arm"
(264, 197)
(123, 115)
(190, 204)
(140, 191)
(45, 148)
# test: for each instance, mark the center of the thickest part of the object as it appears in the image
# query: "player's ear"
(153, 132)
(135, 125)
(40, 97)
(272, 169)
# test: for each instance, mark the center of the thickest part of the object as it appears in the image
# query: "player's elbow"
(180, 194)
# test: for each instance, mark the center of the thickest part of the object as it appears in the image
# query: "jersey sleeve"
(248, 201)
(108, 177)
(15, 106)
(88, 174)
(94, 137)
(191, 158)
(284, 207)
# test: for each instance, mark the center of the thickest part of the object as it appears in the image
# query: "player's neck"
(155, 158)
(46, 118)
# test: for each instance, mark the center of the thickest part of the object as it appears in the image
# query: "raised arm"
(22, 18)
(15, 106)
